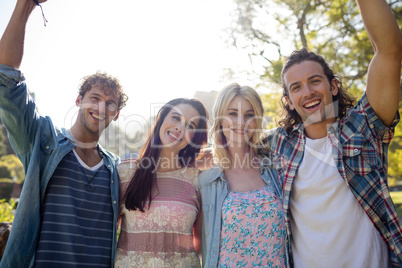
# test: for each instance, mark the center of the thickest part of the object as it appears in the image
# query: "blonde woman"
(243, 220)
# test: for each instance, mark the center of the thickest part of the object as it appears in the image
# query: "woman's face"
(238, 122)
(179, 127)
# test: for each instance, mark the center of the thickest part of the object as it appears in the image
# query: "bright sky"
(158, 49)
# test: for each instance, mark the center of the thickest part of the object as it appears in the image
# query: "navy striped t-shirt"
(77, 217)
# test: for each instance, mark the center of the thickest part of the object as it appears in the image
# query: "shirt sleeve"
(18, 110)
(383, 132)
(10, 76)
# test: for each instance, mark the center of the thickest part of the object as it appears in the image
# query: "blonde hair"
(222, 157)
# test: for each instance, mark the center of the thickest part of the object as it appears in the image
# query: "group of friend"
(311, 193)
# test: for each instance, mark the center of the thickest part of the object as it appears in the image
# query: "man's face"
(310, 93)
(97, 109)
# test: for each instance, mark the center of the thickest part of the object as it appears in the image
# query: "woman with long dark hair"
(161, 203)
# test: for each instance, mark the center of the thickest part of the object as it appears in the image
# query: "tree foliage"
(12, 168)
(271, 107)
(5, 146)
(270, 29)
(7, 210)
(3, 139)
(395, 153)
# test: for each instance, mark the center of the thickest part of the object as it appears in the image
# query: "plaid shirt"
(359, 146)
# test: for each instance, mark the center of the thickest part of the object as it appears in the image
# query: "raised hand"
(12, 41)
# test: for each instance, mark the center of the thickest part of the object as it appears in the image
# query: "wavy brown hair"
(290, 117)
(108, 83)
(139, 190)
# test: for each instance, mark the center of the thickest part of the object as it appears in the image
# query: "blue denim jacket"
(214, 189)
(40, 147)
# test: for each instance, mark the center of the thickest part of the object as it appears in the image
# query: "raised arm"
(12, 41)
(383, 79)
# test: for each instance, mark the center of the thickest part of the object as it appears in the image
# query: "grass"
(397, 198)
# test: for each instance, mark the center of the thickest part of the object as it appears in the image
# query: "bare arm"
(383, 79)
(197, 236)
(12, 41)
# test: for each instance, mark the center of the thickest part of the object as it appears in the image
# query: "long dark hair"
(140, 188)
(291, 117)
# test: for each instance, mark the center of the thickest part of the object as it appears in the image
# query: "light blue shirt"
(40, 146)
(214, 189)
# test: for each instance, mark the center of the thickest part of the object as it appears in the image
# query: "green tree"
(271, 103)
(3, 139)
(6, 210)
(5, 146)
(11, 168)
(270, 29)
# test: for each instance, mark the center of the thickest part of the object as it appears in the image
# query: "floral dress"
(253, 230)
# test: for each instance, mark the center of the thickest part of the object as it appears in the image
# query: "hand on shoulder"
(205, 161)
(126, 169)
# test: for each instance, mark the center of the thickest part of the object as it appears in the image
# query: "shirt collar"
(265, 162)
(299, 128)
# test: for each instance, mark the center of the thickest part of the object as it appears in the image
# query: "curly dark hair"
(290, 117)
(104, 81)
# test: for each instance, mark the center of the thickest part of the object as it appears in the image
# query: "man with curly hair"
(68, 209)
(332, 156)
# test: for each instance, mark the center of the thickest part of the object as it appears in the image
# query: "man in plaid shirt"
(332, 156)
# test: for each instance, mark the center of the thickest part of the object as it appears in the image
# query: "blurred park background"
(258, 33)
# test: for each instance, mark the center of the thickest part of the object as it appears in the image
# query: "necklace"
(85, 171)
(90, 179)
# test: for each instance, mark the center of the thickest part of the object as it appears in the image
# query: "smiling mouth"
(174, 136)
(96, 116)
(312, 104)
(241, 132)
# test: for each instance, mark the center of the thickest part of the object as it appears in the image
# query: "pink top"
(163, 235)
(253, 230)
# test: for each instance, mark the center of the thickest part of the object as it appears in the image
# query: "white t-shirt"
(329, 227)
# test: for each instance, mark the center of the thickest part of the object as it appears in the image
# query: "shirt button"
(286, 197)
(356, 150)
(114, 202)
(47, 147)
(112, 181)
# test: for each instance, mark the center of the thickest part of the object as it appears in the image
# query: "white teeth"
(240, 131)
(174, 136)
(98, 117)
(312, 104)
